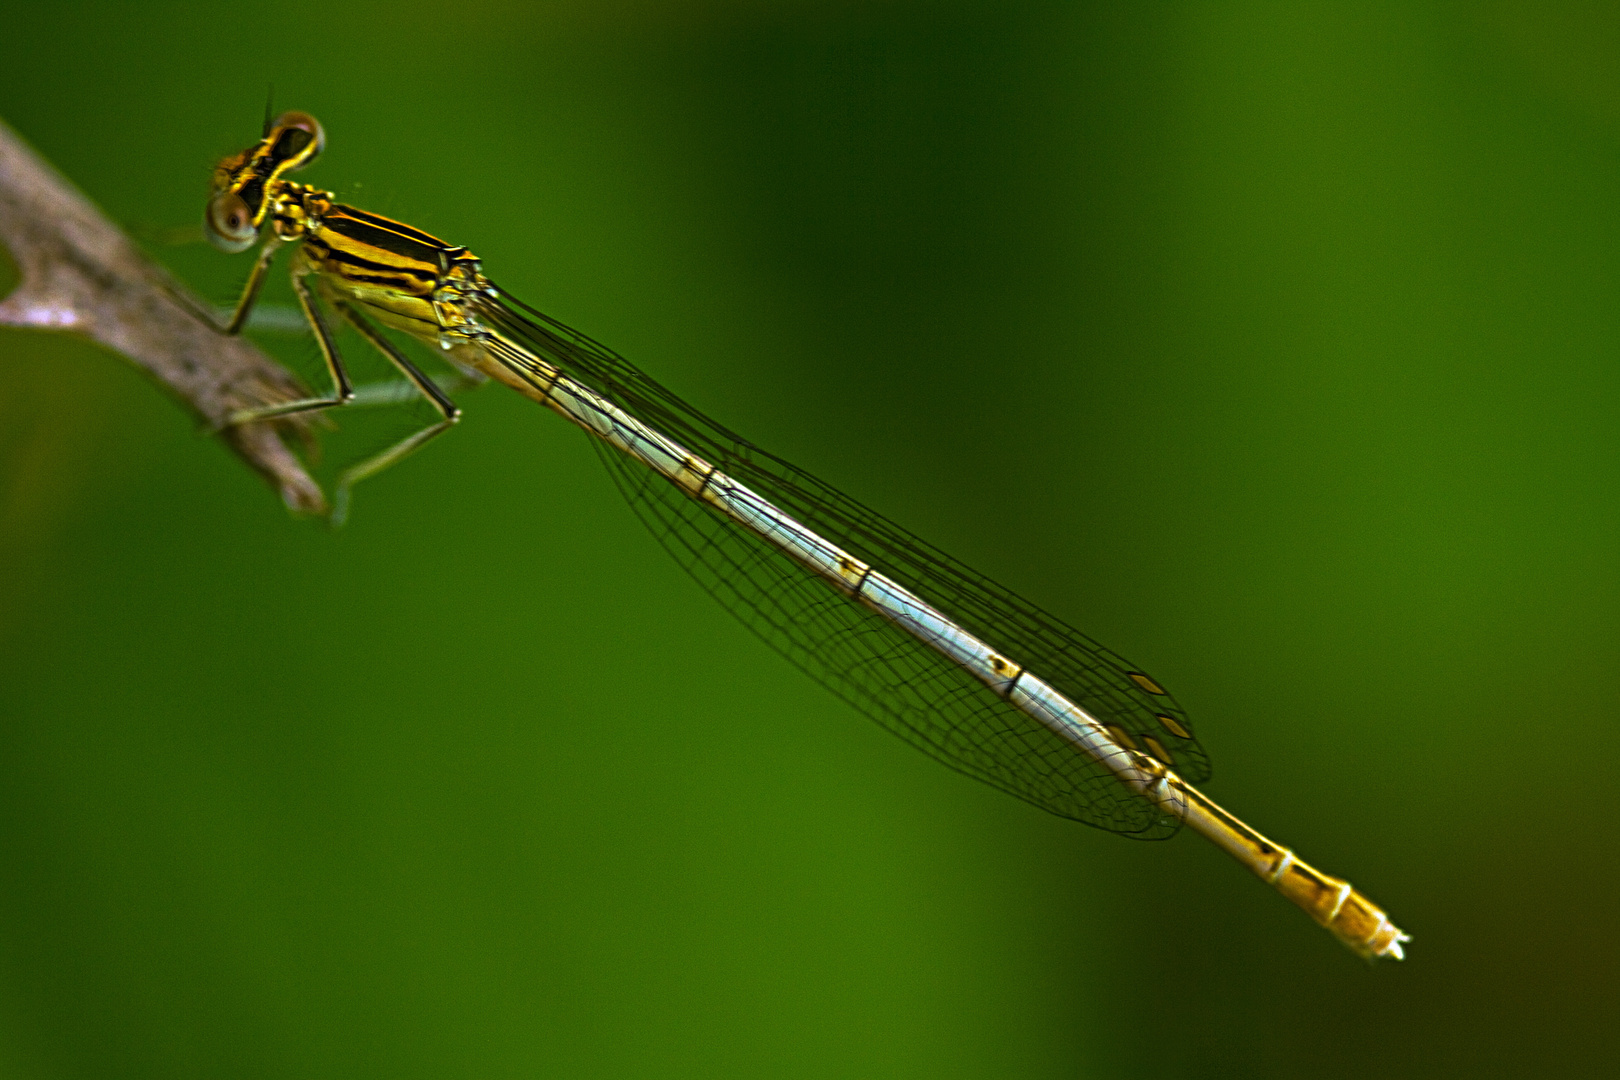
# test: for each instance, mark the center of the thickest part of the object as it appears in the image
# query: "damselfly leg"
(343, 390)
(448, 412)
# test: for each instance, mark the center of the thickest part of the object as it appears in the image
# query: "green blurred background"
(1272, 344)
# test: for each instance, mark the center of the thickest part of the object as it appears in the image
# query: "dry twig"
(81, 274)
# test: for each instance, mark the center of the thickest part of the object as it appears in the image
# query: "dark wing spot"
(1145, 683)
(1156, 748)
(1173, 726)
(1121, 737)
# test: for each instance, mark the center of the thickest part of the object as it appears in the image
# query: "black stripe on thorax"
(348, 251)
(380, 232)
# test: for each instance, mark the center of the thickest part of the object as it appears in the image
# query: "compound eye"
(228, 223)
(298, 140)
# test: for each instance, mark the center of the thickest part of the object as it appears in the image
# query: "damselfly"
(941, 656)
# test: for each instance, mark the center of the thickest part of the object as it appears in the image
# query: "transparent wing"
(901, 683)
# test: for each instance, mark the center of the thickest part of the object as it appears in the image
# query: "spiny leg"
(342, 389)
(429, 389)
(250, 292)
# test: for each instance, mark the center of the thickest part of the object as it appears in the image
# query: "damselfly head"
(245, 184)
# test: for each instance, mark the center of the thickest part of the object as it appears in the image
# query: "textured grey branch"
(82, 275)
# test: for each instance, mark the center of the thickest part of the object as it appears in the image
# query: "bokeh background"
(1275, 345)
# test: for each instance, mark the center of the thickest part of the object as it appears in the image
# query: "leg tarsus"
(374, 465)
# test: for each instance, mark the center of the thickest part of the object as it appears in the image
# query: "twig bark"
(81, 274)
